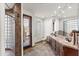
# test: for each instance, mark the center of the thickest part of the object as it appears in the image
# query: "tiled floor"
(41, 49)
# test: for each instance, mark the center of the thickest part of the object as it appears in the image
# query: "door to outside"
(27, 31)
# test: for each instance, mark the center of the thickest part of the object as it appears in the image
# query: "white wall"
(56, 24)
(39, 29)
(48, 26)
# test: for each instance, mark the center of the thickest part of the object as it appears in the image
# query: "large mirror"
(71, 30)
(69, 25)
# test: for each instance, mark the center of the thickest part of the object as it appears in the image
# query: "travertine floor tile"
(41, 49)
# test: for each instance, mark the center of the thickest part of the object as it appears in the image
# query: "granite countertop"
(61, 39)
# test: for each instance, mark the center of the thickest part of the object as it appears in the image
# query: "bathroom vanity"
(61, 46)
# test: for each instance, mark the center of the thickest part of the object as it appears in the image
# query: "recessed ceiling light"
(69, 7)
(59, 7)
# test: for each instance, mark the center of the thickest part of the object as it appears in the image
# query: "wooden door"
(27, 31)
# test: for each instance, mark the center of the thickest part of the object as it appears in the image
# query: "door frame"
(30, 25)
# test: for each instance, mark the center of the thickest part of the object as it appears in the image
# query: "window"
(9, 32)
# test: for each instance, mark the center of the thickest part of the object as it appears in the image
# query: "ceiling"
(52, 9)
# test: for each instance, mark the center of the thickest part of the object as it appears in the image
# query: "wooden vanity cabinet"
(51, 42)
(57, 51)
(53, 45)
(67, 51)
(57, 47)
(62, 50)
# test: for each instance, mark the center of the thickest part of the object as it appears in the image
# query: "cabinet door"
(53, 44)
(61, 50)
(67, 51)
(50, 41)
(57, 48)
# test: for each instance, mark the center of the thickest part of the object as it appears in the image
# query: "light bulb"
(59, 7)
(69, 7)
